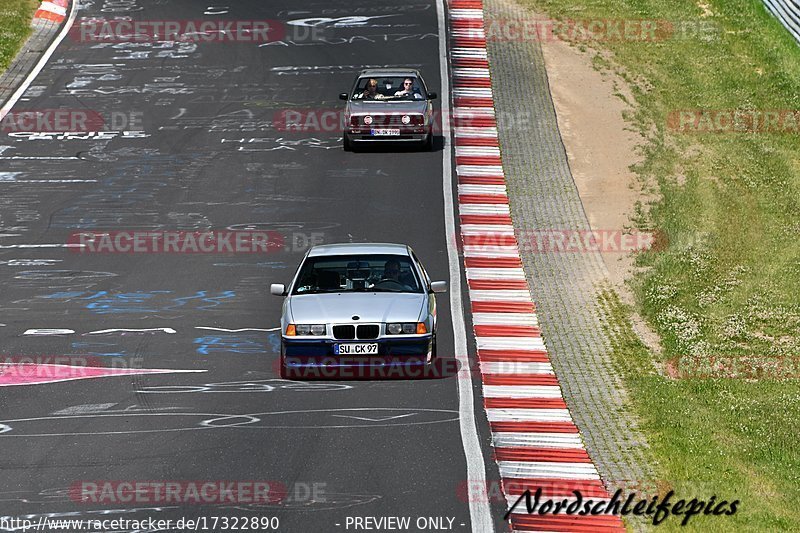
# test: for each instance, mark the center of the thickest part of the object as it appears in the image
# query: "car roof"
(400, 71)
(358, 248)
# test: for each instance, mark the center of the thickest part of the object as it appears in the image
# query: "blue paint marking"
(234, 343)
(104, 302)
(95, 349)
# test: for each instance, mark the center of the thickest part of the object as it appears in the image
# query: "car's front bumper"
(396, 358)
(356, 135)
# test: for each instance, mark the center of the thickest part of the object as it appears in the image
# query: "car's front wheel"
(346, 143)
(427, 144)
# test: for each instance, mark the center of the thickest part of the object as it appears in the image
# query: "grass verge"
(15, 27)
(723, 296)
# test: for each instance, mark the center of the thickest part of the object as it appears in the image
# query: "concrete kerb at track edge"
(535, 440)
(49, 13)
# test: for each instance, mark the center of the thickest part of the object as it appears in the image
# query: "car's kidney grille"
(344, 332)
(368, 331)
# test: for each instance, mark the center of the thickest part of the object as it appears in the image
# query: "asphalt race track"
(196, 148)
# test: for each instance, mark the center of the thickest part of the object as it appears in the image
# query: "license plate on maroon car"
(356, 348)
(385, 132)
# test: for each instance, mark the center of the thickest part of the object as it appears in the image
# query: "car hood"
(401, 106)
(369, 306)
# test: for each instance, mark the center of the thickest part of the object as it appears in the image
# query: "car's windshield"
(389, 88)
(357, 273)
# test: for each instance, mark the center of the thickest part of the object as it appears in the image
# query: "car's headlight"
(406, 328)
(308, 329)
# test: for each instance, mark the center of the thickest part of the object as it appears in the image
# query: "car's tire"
(427, 144)
(346, 143)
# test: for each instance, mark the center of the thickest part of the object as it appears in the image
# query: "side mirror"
(432, 96)
(438, 286)
(342, 96)
(277, 289)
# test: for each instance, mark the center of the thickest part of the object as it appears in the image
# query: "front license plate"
(383, 132)
(356, 348)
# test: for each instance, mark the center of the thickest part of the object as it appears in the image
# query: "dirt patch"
(600, 146)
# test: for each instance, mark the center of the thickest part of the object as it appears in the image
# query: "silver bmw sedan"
(357, 305)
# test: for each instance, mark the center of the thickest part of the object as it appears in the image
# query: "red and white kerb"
(55, 10)
(536, 443)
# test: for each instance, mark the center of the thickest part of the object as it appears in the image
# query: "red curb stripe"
(507, 331)
(555, 455)
(481, 180)
(465, 82)
(492, 160)
(473, 102)
(500, 284)
(503, 307)
(566, 523)
(492, 262)
(477, 141)
(470, 62)
(555, 487)
(484, 219)
(469, 42)
(495, 239)
(534, 427)
(519, 379)
(524, 403)
(474, 121)
(513, 356)
(482, 199)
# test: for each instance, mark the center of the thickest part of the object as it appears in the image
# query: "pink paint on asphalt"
(38, 374)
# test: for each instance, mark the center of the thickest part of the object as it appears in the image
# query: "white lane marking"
(510, 343)
(46, 332)
(479, 53)
(41, 63)
(373, 419)
(495, 273)
(479, 33)
(507, 439)
(487, 229)
(459, 14)
(484, 209)
(473, 92)
(501, 295)
(466, 111)
(514, 367)
(483, 132)
(539, 469)
(528, 415)
(479, 170)
(125, 330)
(471, 72)
(492, 190)
(472, 250)
(519, 392)
(9, 246)
(479, 512)
(512, 319)
(210, 328)
(479, 151)
(87, 408)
